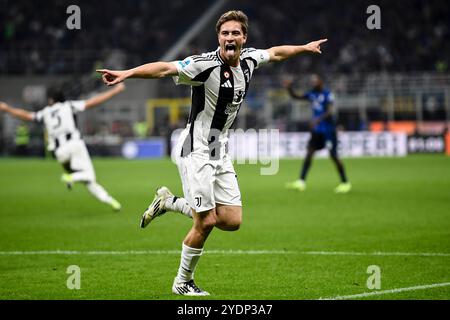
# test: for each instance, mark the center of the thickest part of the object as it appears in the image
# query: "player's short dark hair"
(233, 15)
(56, 94)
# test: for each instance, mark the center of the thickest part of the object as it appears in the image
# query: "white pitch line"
(138, 252)
(398, 290)
(223, 252)
(376, 253)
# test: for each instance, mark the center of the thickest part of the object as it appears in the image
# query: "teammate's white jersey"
(218, 90)
(59, 121)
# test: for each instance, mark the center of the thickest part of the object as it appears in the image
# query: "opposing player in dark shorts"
(323, 133)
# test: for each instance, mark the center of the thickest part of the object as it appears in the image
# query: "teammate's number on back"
(56, 119)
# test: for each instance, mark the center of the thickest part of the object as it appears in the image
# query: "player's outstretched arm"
(16, 112)
(281, 53)
(154, 70)
(102, 97)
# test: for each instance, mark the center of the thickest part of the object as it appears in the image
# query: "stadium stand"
(414, 34)
(380, 77)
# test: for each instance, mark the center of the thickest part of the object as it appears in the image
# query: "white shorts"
(208, 182)
(76, 153)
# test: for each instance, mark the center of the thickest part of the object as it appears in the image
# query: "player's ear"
(245, 39)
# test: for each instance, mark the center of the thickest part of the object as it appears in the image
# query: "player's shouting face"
(231, 39)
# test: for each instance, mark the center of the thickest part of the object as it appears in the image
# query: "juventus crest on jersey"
(59, 121)
(218, 90)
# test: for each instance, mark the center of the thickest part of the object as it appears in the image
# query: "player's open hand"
(112, 77)
(314, 46)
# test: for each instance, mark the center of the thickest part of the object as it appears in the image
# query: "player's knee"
(235, 224)
(207, 226)
(231, 221)
(207, 223)
(235, 221)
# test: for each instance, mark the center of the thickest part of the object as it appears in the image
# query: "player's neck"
(233, 63)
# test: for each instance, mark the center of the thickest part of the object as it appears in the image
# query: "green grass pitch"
(397, 205)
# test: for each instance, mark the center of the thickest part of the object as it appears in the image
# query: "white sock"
(99, 192)
(178, 205)
(189, 259)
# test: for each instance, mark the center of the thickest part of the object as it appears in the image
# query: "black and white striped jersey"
(59, 121)
(218, 90)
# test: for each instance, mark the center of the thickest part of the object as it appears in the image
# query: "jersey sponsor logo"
(231, 108)
(318, 107)
(226, 74)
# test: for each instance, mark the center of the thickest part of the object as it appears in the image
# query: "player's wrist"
(128, 73)
(302, 48)
(120, 87)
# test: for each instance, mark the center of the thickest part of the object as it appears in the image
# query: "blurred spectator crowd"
(414, 34)
(36, 40)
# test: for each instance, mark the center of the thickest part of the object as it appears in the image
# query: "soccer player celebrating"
(323, 130)
(64, 139)
(219, 81)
